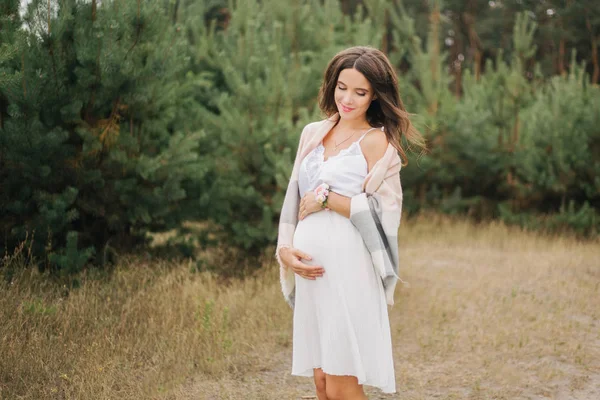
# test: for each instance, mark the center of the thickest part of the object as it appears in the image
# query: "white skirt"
(341, 319)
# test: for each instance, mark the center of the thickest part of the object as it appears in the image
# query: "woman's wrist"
(322, 195)
(339, 203)
(281, 248)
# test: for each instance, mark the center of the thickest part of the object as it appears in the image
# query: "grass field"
(491, 312)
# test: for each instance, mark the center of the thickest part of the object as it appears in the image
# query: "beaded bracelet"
(322, 193)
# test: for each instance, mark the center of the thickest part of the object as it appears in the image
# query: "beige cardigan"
(375, 213)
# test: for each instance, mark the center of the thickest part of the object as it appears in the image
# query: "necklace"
(336, 145)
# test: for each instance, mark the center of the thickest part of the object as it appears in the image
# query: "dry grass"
(130, 337)
(491, 312)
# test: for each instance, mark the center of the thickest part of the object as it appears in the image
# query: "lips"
(346, 109)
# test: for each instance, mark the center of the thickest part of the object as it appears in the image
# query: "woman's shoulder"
(312, 127)
(374, 146)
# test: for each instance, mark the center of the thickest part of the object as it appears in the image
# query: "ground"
(488, 313)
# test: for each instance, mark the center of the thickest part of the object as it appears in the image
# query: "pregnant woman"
(337, 241)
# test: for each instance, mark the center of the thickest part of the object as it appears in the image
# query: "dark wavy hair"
(387, 109)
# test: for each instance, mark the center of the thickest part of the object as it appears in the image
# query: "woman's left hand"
(308, 205)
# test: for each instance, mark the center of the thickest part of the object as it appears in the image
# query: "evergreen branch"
(137, 30)
(112, 119)
(51, 51)
(92, 100)
(168, 52)
(7, 53)
(23, 69)
(594, 48)
(49, 17)
(54, 67)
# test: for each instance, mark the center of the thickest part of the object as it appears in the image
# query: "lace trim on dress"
(321, 151)
(315, 160)
(314, 164)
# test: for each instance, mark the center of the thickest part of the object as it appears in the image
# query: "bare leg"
(344, 388)
(320, 384)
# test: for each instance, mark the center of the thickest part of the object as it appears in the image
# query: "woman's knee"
(320, 380)
(334, 392)
(342, 387)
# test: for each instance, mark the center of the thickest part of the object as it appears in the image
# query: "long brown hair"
(387, 109)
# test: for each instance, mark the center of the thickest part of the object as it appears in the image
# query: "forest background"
(124, 119)
(145, 146)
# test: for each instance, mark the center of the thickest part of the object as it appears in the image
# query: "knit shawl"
(375, 212)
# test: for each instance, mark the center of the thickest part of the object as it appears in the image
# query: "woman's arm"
(339, 203)
(373, 147)
(335, 201)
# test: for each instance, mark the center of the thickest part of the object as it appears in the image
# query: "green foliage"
(71, 259)
(584, 222)
(560, 142)
(37, 307)
(90, 152)
(524, 150)
(524, 46)
(118, 119)
(270, 61)
(475, 31)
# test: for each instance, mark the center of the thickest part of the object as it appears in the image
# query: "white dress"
(341, 319)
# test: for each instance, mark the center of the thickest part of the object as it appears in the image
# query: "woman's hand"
(308, 205)
(291, 257)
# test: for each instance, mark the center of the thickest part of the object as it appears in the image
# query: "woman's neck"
(353, 124)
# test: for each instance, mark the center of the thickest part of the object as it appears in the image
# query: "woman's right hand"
(291, 257)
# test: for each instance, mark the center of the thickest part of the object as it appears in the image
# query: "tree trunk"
(455, 64)
(434, 19)
(515, 136)
(385, 40)
(594, 55)
(561, 57)
(474, 42)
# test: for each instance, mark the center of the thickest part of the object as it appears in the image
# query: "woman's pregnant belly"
(326, 233)
(335, 244)
(311, 235)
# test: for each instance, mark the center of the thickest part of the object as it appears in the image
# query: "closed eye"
(360, 94)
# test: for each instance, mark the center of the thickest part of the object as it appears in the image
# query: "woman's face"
(353, 94)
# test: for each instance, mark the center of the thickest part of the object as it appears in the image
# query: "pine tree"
(510, 146)
(90, 157)
(269, 61)
(557, 159)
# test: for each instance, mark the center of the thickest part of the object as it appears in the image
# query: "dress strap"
(365, 134)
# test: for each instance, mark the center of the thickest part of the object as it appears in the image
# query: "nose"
(347, 99)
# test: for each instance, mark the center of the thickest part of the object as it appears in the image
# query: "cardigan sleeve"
(376, 215)
(288, 221)
(288, 218)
